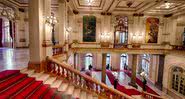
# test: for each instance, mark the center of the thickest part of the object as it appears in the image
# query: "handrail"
(147, 95)
(58, 49)
(63, 69)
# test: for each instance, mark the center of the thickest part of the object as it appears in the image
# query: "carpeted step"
(38, 93)
(29, 90)
(19, 86)
(5, 74)
(50, 94)
(11, 81)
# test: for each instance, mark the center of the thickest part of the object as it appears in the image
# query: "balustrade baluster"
(97, 88)
(54, 68)
(49, 66)
(67, 74)
(76, 78)
(62, 72)
(80, 81)
(58, 70)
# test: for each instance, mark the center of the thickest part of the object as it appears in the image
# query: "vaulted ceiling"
(124, 6)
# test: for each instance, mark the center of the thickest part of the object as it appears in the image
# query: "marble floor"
(13, 58)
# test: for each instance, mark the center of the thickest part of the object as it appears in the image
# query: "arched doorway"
(7, 26)
(145, 63)
(178, 80)
(124, 62)
(88, 61)
(108, 61)
(6, 35)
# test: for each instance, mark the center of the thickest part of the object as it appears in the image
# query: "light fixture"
(167, 4)
(89, 2)
(51, 21)
(105, 37)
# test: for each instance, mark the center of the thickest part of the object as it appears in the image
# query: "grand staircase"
(57, 81)
(28, 84)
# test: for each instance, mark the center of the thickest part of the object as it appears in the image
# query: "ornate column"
(159, 82)
(38, 34)
(115, 61)
(133, 76)
(62, 21)
(104, 55)
(47, 42)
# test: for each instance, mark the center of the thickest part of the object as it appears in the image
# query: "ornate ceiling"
(130, 6)
(124, 6)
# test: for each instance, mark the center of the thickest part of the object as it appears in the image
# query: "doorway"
(6, 33)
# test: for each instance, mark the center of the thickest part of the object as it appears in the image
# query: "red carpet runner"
(120, 87)
(139, 82)
(15, 85)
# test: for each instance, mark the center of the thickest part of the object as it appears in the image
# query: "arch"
(177, 78)
(145, 63)
(88, 60)
(123, 61)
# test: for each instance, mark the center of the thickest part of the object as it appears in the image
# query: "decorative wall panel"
(152, 29)
(89, 29)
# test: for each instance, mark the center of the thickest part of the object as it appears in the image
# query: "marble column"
(159, 82)
(104, 55)
(38, 34)
(62, 21)
(47, 42)
(133, 76)
(115, 61)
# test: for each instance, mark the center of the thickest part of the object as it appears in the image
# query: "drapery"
(1, 32)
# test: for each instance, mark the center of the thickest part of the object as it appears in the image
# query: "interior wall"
(171, 61)
(22, 29)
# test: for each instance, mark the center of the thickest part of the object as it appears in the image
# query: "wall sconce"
(136, 39)
(68, 30)
(105, 37)
(51, 21)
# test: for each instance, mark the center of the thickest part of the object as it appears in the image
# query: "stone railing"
(86, 82)
(58, 49)
(83, 81)
(150, 96)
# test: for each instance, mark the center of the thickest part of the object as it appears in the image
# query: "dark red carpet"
(15, 85)
(139, 82)
(7, 73)
(120, 87)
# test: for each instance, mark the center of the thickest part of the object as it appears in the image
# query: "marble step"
(63, 87)
(83, 95)
(36, 75)
(28, 71)
(69, 90)
(89, 96)
(50, 80)
(76, 93)
(56, 83)
(43, 77)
